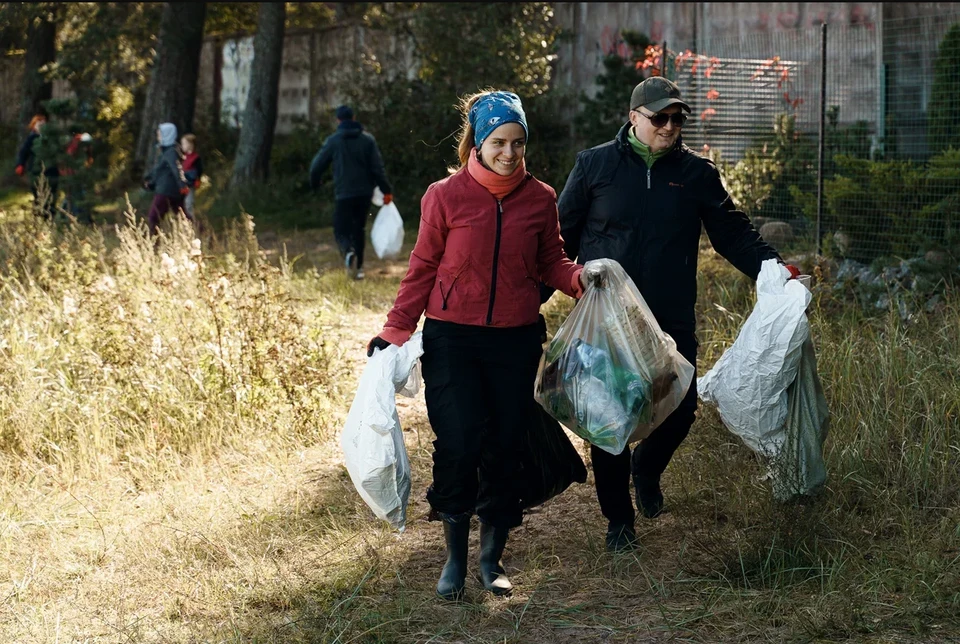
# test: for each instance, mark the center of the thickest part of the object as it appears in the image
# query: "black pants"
(651, 455)
(349, 225)
(479, 393)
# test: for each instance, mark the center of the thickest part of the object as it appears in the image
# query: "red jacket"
(479, 261)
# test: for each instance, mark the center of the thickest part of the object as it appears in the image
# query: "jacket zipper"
(648, 178)
(496, 258)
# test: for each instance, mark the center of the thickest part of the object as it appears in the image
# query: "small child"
(192, 169)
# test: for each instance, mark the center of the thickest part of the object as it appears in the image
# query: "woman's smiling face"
(503, 150)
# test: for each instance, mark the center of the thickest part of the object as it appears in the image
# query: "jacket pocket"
(529, 270)
(446, 280)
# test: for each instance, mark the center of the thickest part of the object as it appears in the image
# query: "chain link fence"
(842, 140)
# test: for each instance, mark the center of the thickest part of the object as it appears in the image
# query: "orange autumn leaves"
(653, 63)
(779, 71)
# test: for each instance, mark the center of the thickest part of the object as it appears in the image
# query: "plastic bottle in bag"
(611, 375)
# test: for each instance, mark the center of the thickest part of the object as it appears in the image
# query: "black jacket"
(167, 178)
(649, 220)
(28, 158)
(357, 164)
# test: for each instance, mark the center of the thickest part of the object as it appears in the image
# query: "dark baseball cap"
(655, 94)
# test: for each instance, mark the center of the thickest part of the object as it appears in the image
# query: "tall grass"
(124, 363)
(874, 557)
(150, 351)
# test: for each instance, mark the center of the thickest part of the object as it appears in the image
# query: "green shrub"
(944, 109)
(506, 46)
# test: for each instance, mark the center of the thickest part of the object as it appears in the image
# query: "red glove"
(794, 271)
(185, 190)
(19, 170)
(387, 198)
(196, 184)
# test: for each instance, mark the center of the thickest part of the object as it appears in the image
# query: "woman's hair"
(36, 119)
(191, 139)
(465, 142)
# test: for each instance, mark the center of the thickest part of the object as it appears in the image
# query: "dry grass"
(243, 526)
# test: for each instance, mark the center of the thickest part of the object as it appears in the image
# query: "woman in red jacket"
(489, 233)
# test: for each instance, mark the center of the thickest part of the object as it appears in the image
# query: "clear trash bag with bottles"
(610, 374)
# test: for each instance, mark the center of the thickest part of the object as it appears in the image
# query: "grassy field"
(171, 471)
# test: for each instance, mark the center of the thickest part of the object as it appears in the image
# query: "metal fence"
(849, 131)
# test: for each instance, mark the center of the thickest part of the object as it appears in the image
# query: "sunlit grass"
(171, 472)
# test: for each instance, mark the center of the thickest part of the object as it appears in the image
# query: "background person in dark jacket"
(28, 163)
(166, 179)
(357, 168)
(641, 200)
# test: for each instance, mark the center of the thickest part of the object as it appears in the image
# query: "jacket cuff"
(576, 284)
(396, 336)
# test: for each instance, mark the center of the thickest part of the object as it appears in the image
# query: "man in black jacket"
(641, 200)
(357, 168)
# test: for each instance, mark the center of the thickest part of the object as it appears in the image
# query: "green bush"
(939, 220)
(875, 216)
(944, 108)
(506, 46)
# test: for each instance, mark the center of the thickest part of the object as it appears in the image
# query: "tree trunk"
(172, 89)
(260, 114)
(41, 49)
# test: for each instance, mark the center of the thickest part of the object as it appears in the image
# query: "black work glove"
(376, 343)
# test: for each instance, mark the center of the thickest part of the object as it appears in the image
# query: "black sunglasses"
(660, 119)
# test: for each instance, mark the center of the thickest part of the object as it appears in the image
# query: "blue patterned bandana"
(493, 110)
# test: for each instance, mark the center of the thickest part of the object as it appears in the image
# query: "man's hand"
(19, 170)
(387, 198)
(376, 343)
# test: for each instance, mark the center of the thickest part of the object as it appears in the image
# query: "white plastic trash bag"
(372, 441)
(387, 232)
(611, 375)
(749, 382)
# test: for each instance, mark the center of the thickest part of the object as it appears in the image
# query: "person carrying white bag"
(372, 440)
(766, 388)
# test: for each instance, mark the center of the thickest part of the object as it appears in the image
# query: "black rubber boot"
(621, 537)
(492, 542)
(456, 532)
(649, 497)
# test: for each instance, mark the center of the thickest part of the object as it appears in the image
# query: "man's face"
(654, 137)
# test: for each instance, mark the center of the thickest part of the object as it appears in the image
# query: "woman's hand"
(376, 343)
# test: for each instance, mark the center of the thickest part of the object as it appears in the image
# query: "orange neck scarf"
(498, 185)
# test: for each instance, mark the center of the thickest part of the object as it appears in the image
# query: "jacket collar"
(350, 128)
(624, 147)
